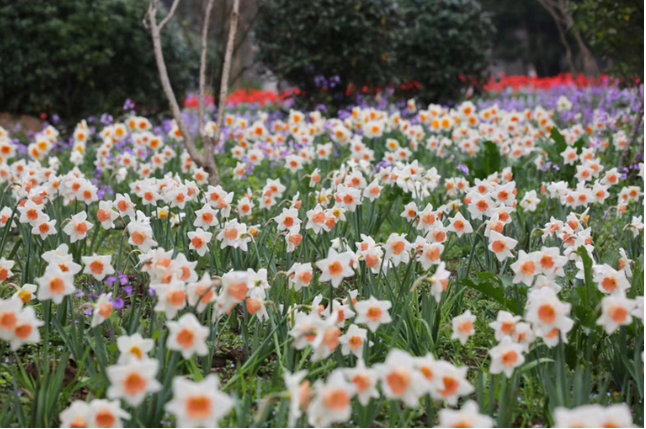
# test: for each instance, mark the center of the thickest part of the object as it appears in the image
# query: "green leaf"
(497, 293)
(590, 291)
(559, 140)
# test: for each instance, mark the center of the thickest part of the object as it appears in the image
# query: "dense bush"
(322, 46)
(615, 30)
(77, 57)
(337, 44)
(442, 44)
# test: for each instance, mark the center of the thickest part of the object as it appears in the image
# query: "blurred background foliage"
(84, 57)
(80, 57)
(615, 31)
(343, 42)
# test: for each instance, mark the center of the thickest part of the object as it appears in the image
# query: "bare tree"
(206, 159)
(563, 19)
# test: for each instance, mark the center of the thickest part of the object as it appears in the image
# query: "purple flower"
(128, 290)
(123, 279)
(463, 168)
(111, 280)
(117, 303)
(382, 164)
(106, 119)
(129, 105)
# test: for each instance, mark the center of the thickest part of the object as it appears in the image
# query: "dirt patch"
(25, 123)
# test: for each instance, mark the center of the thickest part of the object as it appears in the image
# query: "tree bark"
(203, 59)
(155, 31)
(207, 142)
(207, 159)
(625, 158)
(562, 16)
(552, 9)
(226, 69)
(590, 67)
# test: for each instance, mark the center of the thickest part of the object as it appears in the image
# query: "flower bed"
(397, 266)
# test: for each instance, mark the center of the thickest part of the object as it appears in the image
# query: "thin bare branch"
(226, 69)
(155, 32)
(205, 40)
(171, 12)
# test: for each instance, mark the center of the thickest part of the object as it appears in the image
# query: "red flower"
(517, 83)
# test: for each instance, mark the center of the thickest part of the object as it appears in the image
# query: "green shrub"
(82, 57)
(307, 43)
(374, 43)
(615, 30)
(442, 41)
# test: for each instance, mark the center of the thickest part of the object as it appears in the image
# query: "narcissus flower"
(205, 217)
(188, 336)
(451, 383)
(467, 417)
(99, 413)
(134, 347)
(609, 280)
(300, 275)
(26, 293)
(199, 404)
(335, 267)
(98, 266)
(364, 380)
(505, 325)
(106, 214)
(199, 240)
(9, 312)
(102, 310)
(616, 311)
(548, 315)
(399, 379)
(459, 225)
(594, 416)
(78, 227)
(397, 249)
(353, 341)
(501, 246)
(506, 357)
(5, 269)
(171, 297)
(373, 313)
(439, 281)
(55, 284)
(202, 293)
(124, 205)
(132, 381)
(316, 220)
(234, 234)
(105, 414)
(526, 267)
(463, 327)
(332, 401)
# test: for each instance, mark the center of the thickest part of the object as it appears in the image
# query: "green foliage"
(487, 162)
(78, 57)
(525, 32)
(554, 153)
(442, 41)
(374, 43)
(615, 30)
(351, 39)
